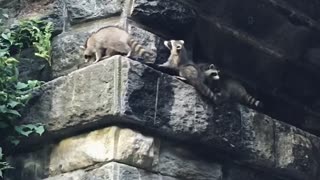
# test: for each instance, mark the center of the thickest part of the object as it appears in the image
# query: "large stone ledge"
(113, 144)
(112, 171)
(118, 90)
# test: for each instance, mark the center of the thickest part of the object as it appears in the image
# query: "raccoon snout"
(215, 76)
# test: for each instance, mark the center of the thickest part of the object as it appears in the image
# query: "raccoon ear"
(82, 47)
(212, 66)
(181, 41)
(166, 43)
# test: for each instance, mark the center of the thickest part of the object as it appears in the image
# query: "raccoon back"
(109, 37)
(195, 77)
(234, 90)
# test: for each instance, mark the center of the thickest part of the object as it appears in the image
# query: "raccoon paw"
(181, 78)
(96, 61)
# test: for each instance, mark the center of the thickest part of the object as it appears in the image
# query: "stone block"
(294, 152)
(109, 144)
(32, 67)
(113, 144)
(169, 17)
(257, 135)
(112, 171)
(66, 53)
(185, 164)
(31, 166)
(48, 10)
(118, 90)
(80, 11)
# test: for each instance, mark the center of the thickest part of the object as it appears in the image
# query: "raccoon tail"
(204, 90)
(251, 101)
(138, 49)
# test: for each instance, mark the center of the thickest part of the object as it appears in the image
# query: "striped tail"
(136, 48)
(204, 90)
(251, 101)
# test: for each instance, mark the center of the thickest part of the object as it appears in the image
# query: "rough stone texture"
(109, 144)
(48, 10)
(88, 151)
(80, 11)
(118, 86)
(294, 151)
(31, 166)
(257, 133)
(32, 67)
(182, 163)
(240, 173)
(67, 56)
(112, 171)
(166, 16)
(248, 38)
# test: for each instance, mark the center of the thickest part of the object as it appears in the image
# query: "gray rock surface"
(32, 67)
(80, 11)
(114, 144)
(66, 54)
(124, 91)
(112, 171)
(167, 16)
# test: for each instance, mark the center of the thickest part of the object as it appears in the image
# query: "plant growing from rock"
(14, 95)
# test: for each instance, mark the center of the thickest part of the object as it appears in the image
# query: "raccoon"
(179, 61)
(228, 88)
(112, 40)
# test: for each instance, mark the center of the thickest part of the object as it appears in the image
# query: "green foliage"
(14, 95)
(29, 33)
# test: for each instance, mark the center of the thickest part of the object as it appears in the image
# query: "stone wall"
(120, 119)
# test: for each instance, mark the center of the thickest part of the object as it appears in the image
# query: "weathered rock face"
(79, 11)
(120, 119)
(134, 94)
(176, 18)
(33, 67)
(124, 146)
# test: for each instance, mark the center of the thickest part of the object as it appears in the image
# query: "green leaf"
(3, 52)
(13, 104)
(21, 130)
(3, 109)
(11, 61)
(21, 85)
(39, 130)
(6, 15)
(4, 36)
(14, 112)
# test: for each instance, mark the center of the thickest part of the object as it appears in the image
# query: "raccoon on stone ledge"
(186, 68)
(112, 40)
(228, 88)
